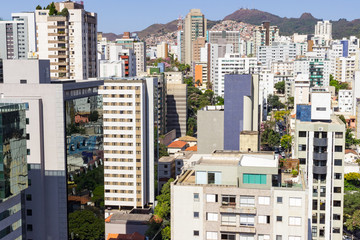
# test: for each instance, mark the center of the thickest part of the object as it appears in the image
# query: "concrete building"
(162, 50)
(14, 173)
(224, 38)
(195, 26)
(276, 52)
(166, 170)
(112, 69)
(266, 87)
(319, 145)
(69, 42)
(120, 53)
(174, 77)
(234, 195)
(282, 67)
(231, 64)
(201, 75)
(345, 68)
(54, 107)
(241, 110)
(196, 48)
(265, 35)
(176, 104)
(301, 90)
(323, 30)
(129, 112)
(17, 37)
(249, 141)
(345, 101)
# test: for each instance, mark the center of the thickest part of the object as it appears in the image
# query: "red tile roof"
(350, 151)
(177, 144)
(193, 148)
(133, 236)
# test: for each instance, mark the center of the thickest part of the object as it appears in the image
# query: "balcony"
(320, 156)
(238, 229)
(238, 210)
(319, 170)
(321, 142)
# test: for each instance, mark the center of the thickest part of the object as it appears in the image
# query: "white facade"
(301, 90)
(140, 53)
(230, 64)
(162, 50)
(70, 43)
(128, 142)
(345, 101)
(323, 30)
(276, 52)
(112, 69)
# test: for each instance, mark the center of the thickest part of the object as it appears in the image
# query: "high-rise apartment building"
(176, 108)
(195, 26)
(61, 126)
(323, 30)
(276, 52)
(320, 146)
(233, 195)
(13, 171)
(265, 35)
(17, 37)
(130, 106)
(225, 37)
(69, 41)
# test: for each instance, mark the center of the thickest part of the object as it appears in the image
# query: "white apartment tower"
(69, 41)
(129, 112)
(265, 35)
(323, 30)
(320, 147)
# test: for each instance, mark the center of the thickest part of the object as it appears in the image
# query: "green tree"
(270, 138)
(280, 87)
(274, 102)
(64, 12)
(163, 150)
(90, 180)
(279, 115)
(286, 142)
(353, 223)
(350, 140)
(38, 7)
(94, 116)
(342, 118)
(219, 100)
(84, 225)
(98, 196)
(189, 81)
(166, 233)
(52, 9)
(290, 103)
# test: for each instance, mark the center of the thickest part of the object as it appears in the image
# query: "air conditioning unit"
(321, 129)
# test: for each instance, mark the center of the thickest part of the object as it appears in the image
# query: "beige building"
(129, 111)
(176, 108)
(162, 50)
(196, 47)
(265, 35)
(249, 141)
(195, 27)
(234, 195)
(69, 42)
(319, 145)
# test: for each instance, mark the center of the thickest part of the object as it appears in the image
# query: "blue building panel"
(303, 113)
(345, 44)
(236, 87)
(161, 66)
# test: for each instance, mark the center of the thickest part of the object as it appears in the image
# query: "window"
(254, 178)
(196, 233)
(196, 197)
(279, 199)
(196, 214)
(278, 237)
(23, 81)
(295, 221)
(228, 219)
(247, 237)
(338, 176)
(264, 200)
(337, 189)
(214, 178)
(264, 219)
(28, 197)
(201, 177)
(336, 230)
(27, 121)
(338, 148)
(263, 237)
(228, 200)
(336, 216)
(28, 152)
(247, 201)
(337, 203)
(302, 160)
(247, 220)
(28, 212)
(302, 134)
(212, 217)
(338, 162)
(211, 198)
(321, 109)
(29, 227)
(339, 135)
(314, 231)
(211, 235)
(302, 147)
(279, 218)
(295, 202)
(228, 236)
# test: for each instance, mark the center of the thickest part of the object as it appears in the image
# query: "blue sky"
(131, 15)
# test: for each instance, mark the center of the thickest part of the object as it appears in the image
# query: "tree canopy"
(280, 87)
(84, 225)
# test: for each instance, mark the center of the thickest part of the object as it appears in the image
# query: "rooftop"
(177, 144)
(193, 148)
(119, 217)
(188, 139)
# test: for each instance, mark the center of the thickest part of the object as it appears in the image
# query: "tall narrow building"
(129, 111)
(320, 146)
(265, 35)
(195, 26)
(68, 40)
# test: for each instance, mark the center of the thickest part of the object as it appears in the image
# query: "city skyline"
(164, 13)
